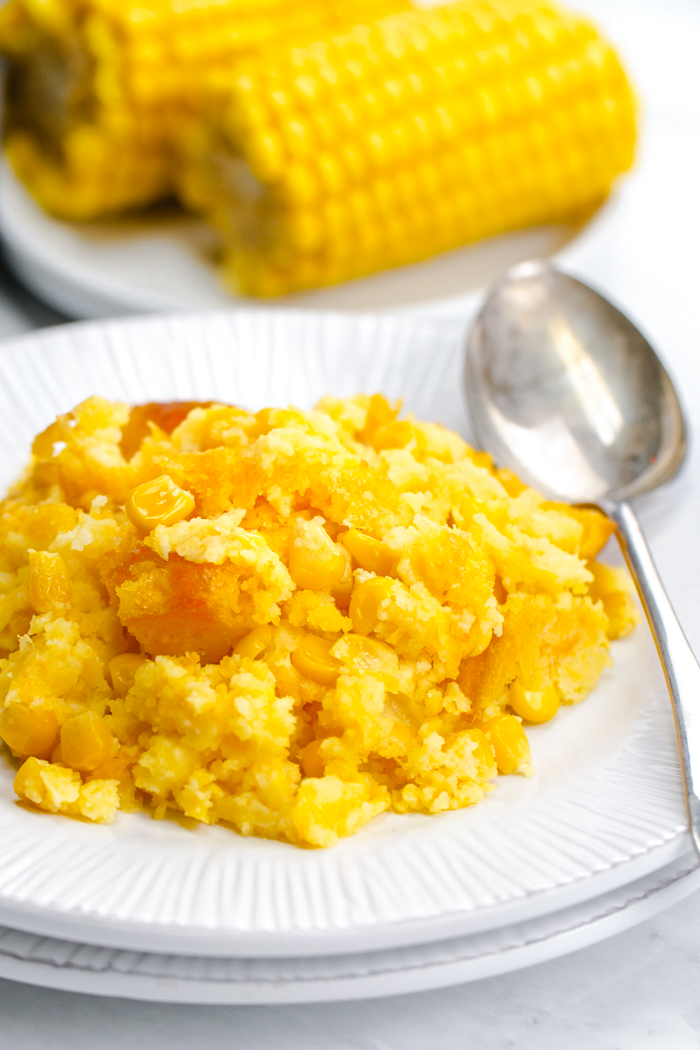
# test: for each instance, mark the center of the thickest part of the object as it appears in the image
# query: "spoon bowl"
(563, 388)
(565, 391)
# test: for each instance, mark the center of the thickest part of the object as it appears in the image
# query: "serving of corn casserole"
(288, 621)
(323, 141)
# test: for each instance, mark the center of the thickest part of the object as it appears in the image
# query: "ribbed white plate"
(73, 967)
(605, 808)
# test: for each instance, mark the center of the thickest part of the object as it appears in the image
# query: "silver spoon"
(565, 391)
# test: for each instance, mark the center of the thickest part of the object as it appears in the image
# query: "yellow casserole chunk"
(288, 622)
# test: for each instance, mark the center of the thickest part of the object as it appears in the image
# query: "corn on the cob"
(413, 134)
(98, 90)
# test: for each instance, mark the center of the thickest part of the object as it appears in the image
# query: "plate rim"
(129, 935)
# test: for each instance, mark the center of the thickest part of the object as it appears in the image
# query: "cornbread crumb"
(58, 789)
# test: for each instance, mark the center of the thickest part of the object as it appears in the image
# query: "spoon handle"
(680, 666)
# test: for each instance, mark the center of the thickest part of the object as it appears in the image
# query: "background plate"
(606, 807)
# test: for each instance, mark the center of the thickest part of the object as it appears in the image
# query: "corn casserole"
(288, 621)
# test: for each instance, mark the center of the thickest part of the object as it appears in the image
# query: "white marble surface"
(636, 991)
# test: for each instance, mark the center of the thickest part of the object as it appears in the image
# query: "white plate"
(195, 979)
(605, 809)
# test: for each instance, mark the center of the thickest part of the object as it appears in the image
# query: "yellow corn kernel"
(313, 660)
(314, 560)
(29, 731)
(304, 230)
(266, 155)
(121, 671)
(158, 502)
(509, 743)
(86, 742)
(48, 582)
(255, 642)
(366, 601)
(370, 554)
(364, 655)
(404, 735)
(398, 434)
(533, 705)
(483, 753)
(312, 764)
(342, 590)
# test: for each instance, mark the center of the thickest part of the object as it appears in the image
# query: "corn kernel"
(313, 660)
(48, 582)
(266, 155)
(304, 229)
(158, 502)
(366, 601)
(121, 671)
(398, 434)
(302, 187)
(533, 705)
(331, 173)
(370, 554)
(314, 560)
(255, 642)
(298, 136)
(509, 743)
(29, 731)
(483, 753)
(404, 736)
(86, 742)
(312, 764)
(342, 590)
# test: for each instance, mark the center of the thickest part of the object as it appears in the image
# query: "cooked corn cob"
(98, 89)
(407, 136)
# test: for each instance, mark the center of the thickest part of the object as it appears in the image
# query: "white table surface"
(637, 991)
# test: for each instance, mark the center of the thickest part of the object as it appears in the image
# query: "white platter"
(148, 976)
(605, 809)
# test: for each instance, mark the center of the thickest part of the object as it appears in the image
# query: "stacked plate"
(158, 910)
